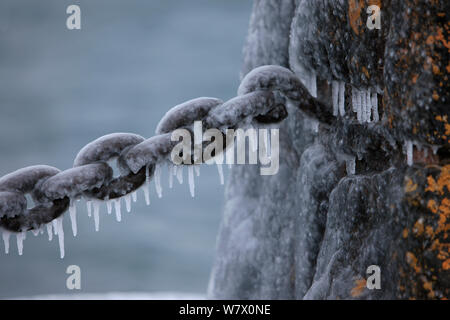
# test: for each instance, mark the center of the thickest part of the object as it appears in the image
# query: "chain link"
(261, 98)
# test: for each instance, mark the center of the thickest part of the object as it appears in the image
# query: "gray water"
(59, 89)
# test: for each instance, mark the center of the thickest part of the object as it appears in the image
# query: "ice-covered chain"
(261, 97)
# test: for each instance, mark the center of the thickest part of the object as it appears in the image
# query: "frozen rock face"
(345, 197)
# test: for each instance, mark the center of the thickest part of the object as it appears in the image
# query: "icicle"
(376, 116)
(158, 180)
(20, 237)
(89, 207)
(109, 206)
(171, 174)
(363, 106)
(55, 227)
(315, 125)
(350, 165)
(313, 85)
(354, 99)
(253, 140)
(6, 235)
(220, 169)
(59, 225)
(342, 98)
(146, 193)
(128, 202)
(197, 170)
(409, 153)
(73, 217)
(180, 174)
(434, 149)
(191, 180)
(335, 96)
(96, 205)
(49, 231)
(368, 106)
(41, 229)
(117, 209)
(35, 232)
(359, 110)
(134, 196)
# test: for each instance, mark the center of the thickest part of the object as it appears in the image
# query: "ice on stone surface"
(6, 236)
(409, 153)
(374, 99)
(191, 180)
(342, 98)
(73, 217)
(351, 165)
(335, 96)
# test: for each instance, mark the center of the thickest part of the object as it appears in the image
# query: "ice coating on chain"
(6, 236)
(186, 113)
(24, 180)
(12, 203)
(271, 77)
(191, 181)
(106, 147)
(73, 217)
(149, 151)
(241, 108)
(73, 182)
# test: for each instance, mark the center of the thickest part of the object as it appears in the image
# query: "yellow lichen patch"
(405, 233)
(359, 287)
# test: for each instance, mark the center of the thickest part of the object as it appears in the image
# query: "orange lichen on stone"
(446, 264)
(418, 228)
(354, 14)
(442, 182)
(410, 186)
(412, 261)
(360, 285)
(405, 233)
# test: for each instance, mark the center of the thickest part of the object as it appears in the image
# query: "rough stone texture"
(311, 231)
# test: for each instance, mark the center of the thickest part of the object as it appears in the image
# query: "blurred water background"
(59, 89)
